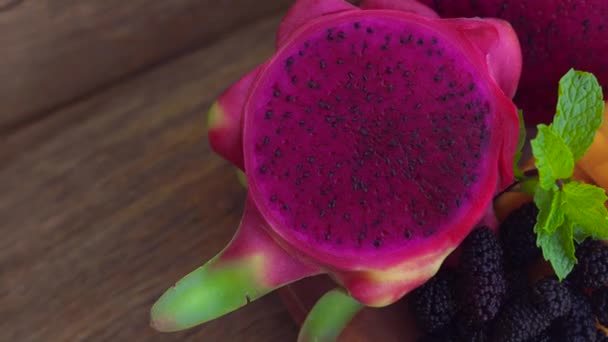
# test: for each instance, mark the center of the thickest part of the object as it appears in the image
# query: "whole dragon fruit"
(372, 141)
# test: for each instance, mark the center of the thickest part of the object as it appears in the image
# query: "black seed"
(438, 78)
(369, 66)
(298, 181)
(389, 70)
(301, 53)
(420, 41)
(332, 203)
(341, 35)
(406, 73)
(418, 106)
(443, 208)
(362, 235)
(312, 84)
(287, 115)
(277, 93)
(369, 96)
(289, 61)
(322, 213)
(268, 115)
(434, 40)
(377, 242)
(370, 30)
(348, 85)
(384, 47)
(346, 216)
(285, 206)
(452, 84)
(308, 109)
(302, 123)
(322, 64)
(363, 131)
(266, 140)
(363, 202)
(306, 175)
(357, 25)
(407, 234)
(294, 79)
(472, 86)
(263, 169)
(340, 61)
(327, 236)
(277, 153)
(351, 75)
(311, 159)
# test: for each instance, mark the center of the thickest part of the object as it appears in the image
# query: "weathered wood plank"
(107, 203)
(56, 50)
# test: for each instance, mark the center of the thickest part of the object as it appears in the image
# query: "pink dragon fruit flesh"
(555, 35)
(373, 142)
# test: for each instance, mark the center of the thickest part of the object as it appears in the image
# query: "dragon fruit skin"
(264, 255)
(555, 35)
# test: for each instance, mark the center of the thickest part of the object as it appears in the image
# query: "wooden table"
(105, 202)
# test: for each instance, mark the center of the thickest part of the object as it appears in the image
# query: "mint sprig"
(569, 211)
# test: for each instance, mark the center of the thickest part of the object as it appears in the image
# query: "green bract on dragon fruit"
(373, 142)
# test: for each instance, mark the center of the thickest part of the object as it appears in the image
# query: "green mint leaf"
(550, 215)
(558, 249)
(520, 145)
(579, 111)
(579, 234)
(584, 204)
(552, 157)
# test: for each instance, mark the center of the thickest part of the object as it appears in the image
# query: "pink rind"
(303, 11)
(225, 120)
(411, 6)
(498, 42)
(491, 181)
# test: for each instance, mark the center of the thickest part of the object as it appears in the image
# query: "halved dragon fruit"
(372, 141)
(555, 35)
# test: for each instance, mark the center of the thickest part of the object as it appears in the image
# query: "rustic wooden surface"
(56, 50)
(106, 202)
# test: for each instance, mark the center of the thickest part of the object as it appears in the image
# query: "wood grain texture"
(56, 50)
(106, 203)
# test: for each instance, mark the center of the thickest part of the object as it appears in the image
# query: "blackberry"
(481, 282)
(517, 283)
(552, 297)
(599, 302)
(520, 321)
(544, 337)
(591, 271)
(578, 324)
(471, 333)
(518, 238)
(434, 303)
(445, 336)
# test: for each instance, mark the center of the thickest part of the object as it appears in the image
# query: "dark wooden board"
(56, 50)
(106, 203)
